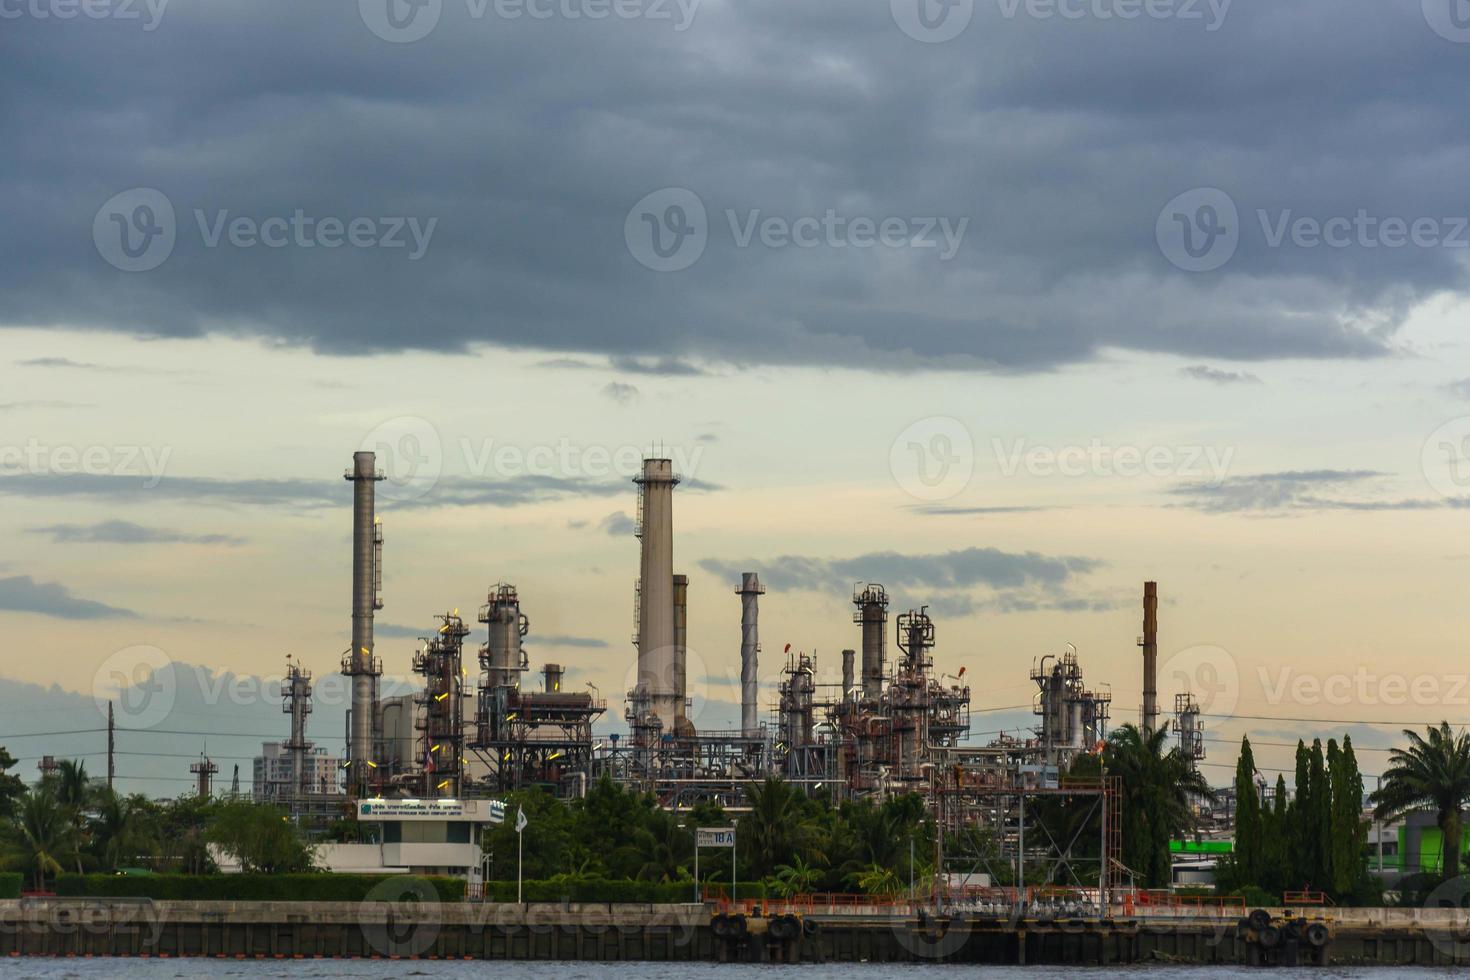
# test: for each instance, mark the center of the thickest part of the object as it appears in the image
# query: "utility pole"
(110, 747)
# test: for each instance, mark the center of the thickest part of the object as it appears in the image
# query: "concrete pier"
(284, 930)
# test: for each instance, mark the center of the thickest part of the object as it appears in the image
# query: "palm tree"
(1430, 773)
(73, 792)
(877, 880)
(796, 878)
(775, 828)
(46, 834)
(1158, 786)
(665, 845)
(120, 829)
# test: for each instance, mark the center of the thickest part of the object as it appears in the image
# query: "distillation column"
(296, 693)
(872, 615)
(750, 592)
(657, 684)
(359, 663)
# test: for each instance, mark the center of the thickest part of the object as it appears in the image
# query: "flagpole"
(520, 850)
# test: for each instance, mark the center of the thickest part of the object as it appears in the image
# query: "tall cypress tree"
(1301, 819)
(1349, 831)
(1276, 849)
(1248, 836)
(1320, 820)
(1336, 772)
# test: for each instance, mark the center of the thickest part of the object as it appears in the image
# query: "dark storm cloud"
(623, 394)
(530, 140)
(1304, 490)
(953, 569)
(948, 510)
(1219, 376)
(302, 494)
(39, 403)
(953, 583)
(580, 642)
(126, 532)
(21, 593)
(393, 631)
(616, 524)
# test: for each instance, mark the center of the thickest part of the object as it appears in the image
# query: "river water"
(63, 969)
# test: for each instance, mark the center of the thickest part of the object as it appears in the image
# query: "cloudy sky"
(1007, 304)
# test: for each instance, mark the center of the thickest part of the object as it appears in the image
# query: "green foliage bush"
(243, 887)
(601, 890)
(10, 884)
(1256, 898)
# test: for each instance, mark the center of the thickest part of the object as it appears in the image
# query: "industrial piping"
(681, 654)
(750, 592)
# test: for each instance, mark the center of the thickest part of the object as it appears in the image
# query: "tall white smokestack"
(750, 650)
(657, 673)
(359, 663)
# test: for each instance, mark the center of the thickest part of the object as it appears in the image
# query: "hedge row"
(255, 887)
(10, 884)
(596, 890)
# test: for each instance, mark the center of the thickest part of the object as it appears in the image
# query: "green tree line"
(68, 822)
(1316, 837)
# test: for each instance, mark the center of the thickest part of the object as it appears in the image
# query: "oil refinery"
(889, 722)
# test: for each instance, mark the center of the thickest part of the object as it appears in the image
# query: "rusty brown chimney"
(1150, 644)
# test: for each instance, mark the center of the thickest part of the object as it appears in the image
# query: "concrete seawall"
(126, 927)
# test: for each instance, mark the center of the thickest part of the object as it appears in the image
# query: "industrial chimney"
(656, 668)
(872, 613)
(359, 663)
(1150, 644)
(750, 592)
(849, 676)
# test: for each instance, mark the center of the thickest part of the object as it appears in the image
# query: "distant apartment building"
(275, 779)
